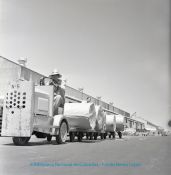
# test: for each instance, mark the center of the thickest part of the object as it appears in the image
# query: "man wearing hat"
(59, 91)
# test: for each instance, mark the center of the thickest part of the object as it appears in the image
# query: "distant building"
(10, 71)
(149, 126)
(134, 124)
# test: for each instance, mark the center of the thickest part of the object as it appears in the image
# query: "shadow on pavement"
(32, 143)
(53, 142)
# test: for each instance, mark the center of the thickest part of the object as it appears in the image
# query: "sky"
(116, 49)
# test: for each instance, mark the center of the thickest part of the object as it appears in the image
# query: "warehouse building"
(11, 71)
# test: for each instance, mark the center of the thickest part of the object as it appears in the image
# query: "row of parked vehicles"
(28, 110)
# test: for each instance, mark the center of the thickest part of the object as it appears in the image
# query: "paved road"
(152, 155)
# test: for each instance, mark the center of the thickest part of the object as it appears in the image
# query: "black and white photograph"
(85, 87)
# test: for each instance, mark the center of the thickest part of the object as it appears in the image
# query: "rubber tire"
(102, 136)
(87, 136)
(113, 135)
(71, 136)
(109, 136)
(105, 136)
(120, 134)
(95, 136)
(49, 138)
(58, 137)
(80, 137)
(91, 136)
(20, 141)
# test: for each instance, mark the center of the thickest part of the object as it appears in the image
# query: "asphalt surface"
(149, 155)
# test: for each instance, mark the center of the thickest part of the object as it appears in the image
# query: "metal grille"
(16, 99)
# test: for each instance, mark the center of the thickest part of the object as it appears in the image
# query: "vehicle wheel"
(20, 141)
(91, 136)
(120, 134)
(109, 136)
(95, 136)
(102, 136)
(71, 136)
(80, 136)
(87, 136)
(61, 138)
(49, 138)
(113, 135)
(105, 136)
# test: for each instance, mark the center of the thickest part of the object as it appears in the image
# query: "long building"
(11, 71)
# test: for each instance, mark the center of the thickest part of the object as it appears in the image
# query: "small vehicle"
(28, 110)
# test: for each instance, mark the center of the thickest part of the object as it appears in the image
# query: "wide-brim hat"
(56, 72)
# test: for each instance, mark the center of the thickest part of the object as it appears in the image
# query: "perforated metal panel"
(16, 99)
(18, 109)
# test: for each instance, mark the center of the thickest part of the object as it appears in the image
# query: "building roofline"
(66, 85)
(21, 66)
